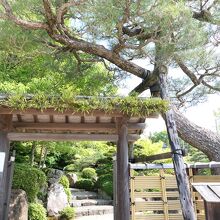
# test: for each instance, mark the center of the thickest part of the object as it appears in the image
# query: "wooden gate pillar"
(5, 126)
(123, 197)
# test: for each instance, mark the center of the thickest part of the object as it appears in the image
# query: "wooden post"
(131, 152)
(5, 125)
(115, 186)
(181, 176)
(123, 197)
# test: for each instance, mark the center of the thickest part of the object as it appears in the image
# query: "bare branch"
(51, 19)
(186, 92)
(210, 86)
(101, 51)
(23, 23)
(187, 71)
(63, 9)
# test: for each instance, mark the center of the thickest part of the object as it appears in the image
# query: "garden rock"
(54, 176)
(56, 200)
(72, 177)
(18, 209)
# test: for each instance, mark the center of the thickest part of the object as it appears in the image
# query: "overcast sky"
(201, 114)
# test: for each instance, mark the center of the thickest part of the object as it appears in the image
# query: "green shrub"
(70, 167)
(64, 181)
(29, 179)
(103, 179)
(68, 193)
(36, 212)
(86, 184)
(67, 213)
(89, 173)
(108, 188)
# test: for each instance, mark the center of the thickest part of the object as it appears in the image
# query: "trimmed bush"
(108, 188)
(29, 179)
(103, 179)
(89, 173)
(64, 181)
(36, 212)
(70, 167)
(86, 184)
(67, 213)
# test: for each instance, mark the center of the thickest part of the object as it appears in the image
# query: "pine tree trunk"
(203, 139)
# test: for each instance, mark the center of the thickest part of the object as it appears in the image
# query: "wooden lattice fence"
(157, 197)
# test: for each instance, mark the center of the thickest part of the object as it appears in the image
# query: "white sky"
(201, 114)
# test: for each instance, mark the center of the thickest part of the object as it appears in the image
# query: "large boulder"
(57, 199)
(54, 175)
(72, 177)
(18, 209)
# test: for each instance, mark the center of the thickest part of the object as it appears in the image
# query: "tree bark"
(203, 139)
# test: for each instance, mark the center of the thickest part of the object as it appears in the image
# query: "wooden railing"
(157, 197)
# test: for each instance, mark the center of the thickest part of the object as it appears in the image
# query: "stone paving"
(96, 217)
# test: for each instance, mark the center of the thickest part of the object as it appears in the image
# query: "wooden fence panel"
(157, 197)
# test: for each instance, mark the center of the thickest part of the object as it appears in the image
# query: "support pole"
(123, 198)
(4, 147)
(5, 125)
(180, 171)
(131, 152)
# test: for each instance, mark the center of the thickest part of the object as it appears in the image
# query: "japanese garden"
(83, 84)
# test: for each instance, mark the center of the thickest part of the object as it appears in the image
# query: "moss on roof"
(130, 105)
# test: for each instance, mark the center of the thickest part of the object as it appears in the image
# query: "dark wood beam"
(15, 136)
(75, 126)
(162, 156)
(5, 122)
(123, 197)
(4, 147)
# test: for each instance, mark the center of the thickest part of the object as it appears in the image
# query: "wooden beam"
(123, 197)
(162, 156)
(5, 122)
(75, 126)
(4, 147)
(15, 136)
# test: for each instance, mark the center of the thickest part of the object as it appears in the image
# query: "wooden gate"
(157, 197)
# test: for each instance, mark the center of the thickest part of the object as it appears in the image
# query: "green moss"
(64, 181)
(86, 184)
(130, 105)
(29, 179)
(89, 173)
(67, 213)
(36, 212)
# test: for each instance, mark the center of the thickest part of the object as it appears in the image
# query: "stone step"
(90, 202)
(73, 190)
(84, 195)
(96, 217)
(93, 210)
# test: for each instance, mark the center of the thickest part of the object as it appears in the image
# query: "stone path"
(89, 205)
(96, 217)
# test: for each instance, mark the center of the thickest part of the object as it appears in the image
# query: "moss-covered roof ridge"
(129, 105)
